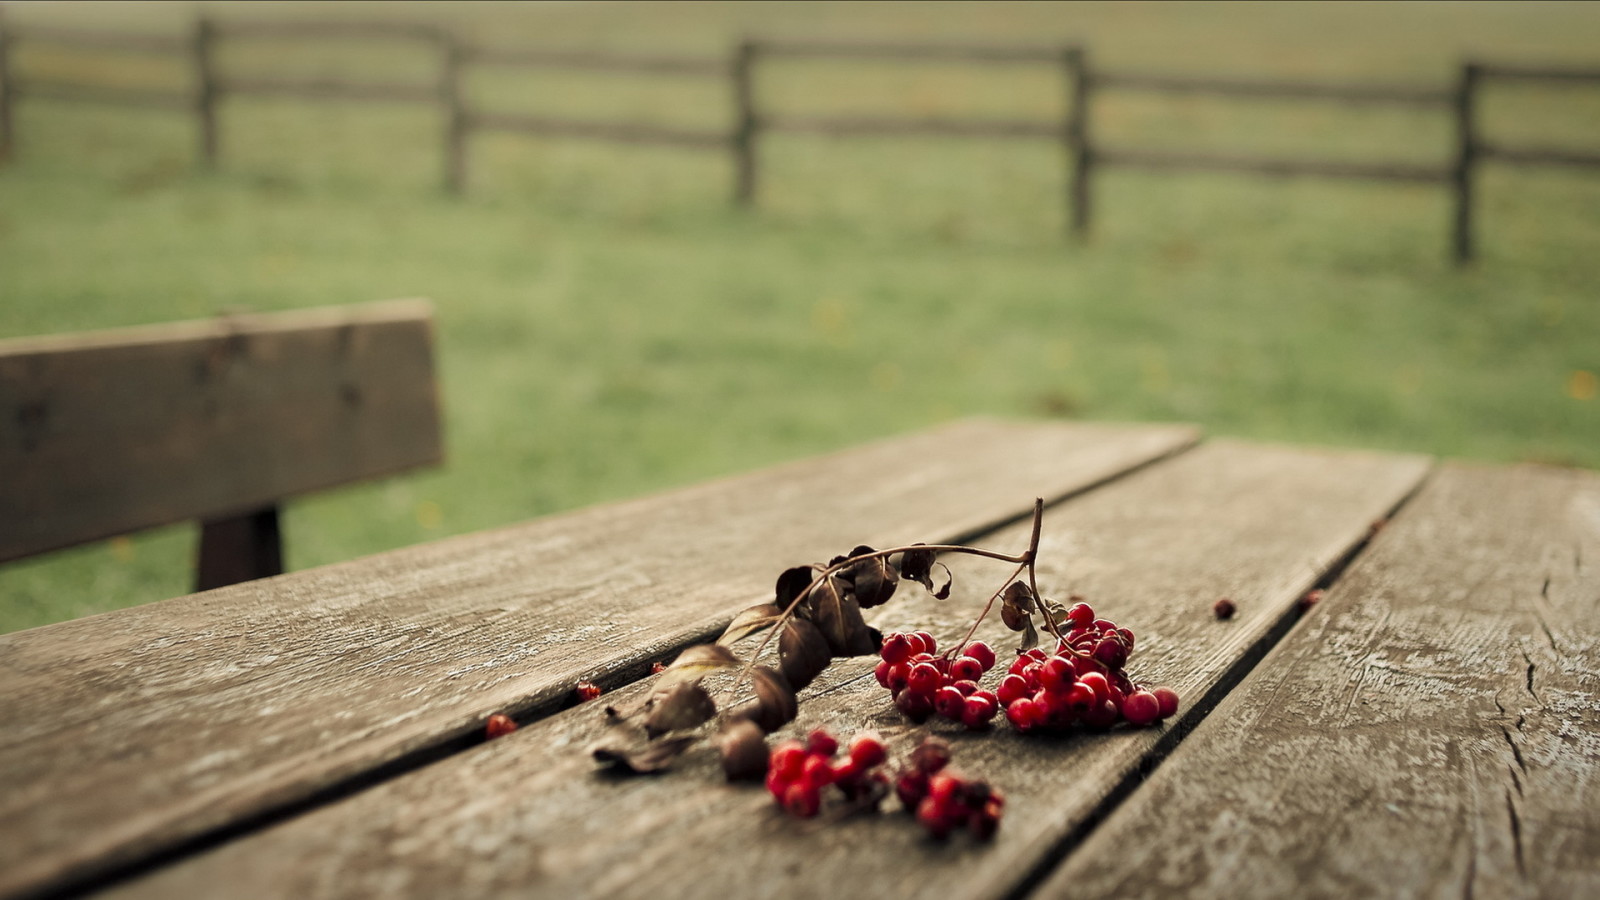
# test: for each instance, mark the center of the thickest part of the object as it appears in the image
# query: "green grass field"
(610, 326)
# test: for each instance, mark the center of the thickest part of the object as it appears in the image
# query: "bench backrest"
(114, 431)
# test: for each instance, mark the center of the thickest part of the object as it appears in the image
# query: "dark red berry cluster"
(499, 725)
(798, 773)
(925, 685)
(1081, 682)
(942, 799)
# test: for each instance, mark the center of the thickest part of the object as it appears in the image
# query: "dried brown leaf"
(871, 580)
(802, 653)
(775, 705)
(750, 621)
(791, 583)
(744, 751)
(916, 564)
(1030, 637)
(838, 617)
(1017, 605)
(624, 753)
(693, 664)
(683, 705)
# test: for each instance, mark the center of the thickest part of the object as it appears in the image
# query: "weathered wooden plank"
(908, 52)
(325, 88)
(1433, 731)
(130, 733)
(333, 29)
(37, 89)
(1540, 156)
(597, 61)
(1540, 73)
(621, 132)
(1266, 165)
(1275, 90)
(103, 39)
(527, 815)
(132, 428)
(856, 126)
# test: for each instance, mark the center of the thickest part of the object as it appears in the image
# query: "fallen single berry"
(587, 690)
(1224, 608)
(499, 725)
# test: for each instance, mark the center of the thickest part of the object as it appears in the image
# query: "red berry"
(896, 648)
(942, 788)
(986, 821)
(1224, 608)
(1141, 708)
(1098, 683)
(1111, 652)
(822, 743)
(978, 711)
(1080, 615)
(934, 818)
(949, 702)
(924, 678)
(931, 755)
(777, 785)
(847, 774)
(802, 800)
(787, 759)
(1055, 671)
(914, 706)
(1023, 714)
(1311, 598)
(981, 652)
(1127, 638)
(587, 690)
(929, 645)
(867, 750)
(1080, 699)
(657, 667)
(882, 673)
(899, 676)
(1103, 716)
(911, 787)
(1167, 699)
(816, 771)
(499, 725)
(966, 668)
(1012, 687)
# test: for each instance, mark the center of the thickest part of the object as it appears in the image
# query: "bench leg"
(238, 549)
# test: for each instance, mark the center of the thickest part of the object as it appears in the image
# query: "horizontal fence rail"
(1273, 90)
(1084, 154)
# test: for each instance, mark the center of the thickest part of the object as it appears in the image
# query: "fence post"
(743, 141)
(206, 89)
(1077, 140)
(1466, 158)
(8, 92)
(455, 129)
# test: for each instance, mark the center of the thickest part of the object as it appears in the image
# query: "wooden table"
(1430, 728)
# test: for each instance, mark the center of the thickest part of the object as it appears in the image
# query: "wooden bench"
(1429, 728)
(220, 420)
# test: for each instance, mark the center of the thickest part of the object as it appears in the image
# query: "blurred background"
(611, 324)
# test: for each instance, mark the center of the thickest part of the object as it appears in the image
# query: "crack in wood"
(1516, 834)
(1514, 749)
(1531, 692)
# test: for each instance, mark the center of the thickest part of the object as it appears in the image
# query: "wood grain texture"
(128, 733)
(1433, 729)
(528, 815)
(113, 431)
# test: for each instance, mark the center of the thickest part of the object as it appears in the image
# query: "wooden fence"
(1084, 154)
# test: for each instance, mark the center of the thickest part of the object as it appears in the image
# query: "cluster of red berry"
(942, 799)
(1082, 681)
(925, 685)
(797, 773)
